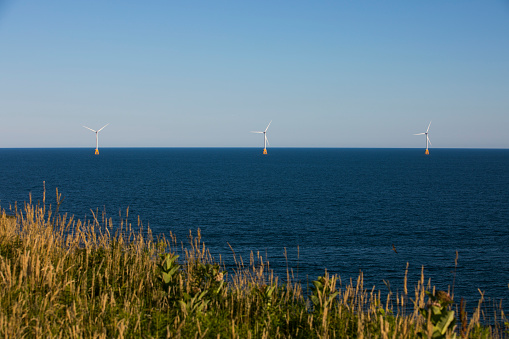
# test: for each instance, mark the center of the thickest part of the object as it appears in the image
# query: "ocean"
(308, 209)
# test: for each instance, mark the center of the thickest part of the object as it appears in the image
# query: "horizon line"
(249, 147)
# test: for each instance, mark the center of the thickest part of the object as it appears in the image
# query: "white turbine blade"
(256, 132)
(267, 139)
(103, 127)
(90, 129)
(428, 127)
(268, 126)
(419, 133)
(429, 141)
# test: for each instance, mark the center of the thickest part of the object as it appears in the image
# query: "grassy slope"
(61, 277)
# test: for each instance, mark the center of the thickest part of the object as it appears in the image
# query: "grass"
(66, 278)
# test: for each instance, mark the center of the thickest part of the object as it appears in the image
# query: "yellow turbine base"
(96, 151)
(264, 151)
(426, 152)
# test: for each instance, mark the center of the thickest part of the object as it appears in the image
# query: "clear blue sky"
(206, 73)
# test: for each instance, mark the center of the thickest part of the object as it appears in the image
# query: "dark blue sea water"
(334, 209)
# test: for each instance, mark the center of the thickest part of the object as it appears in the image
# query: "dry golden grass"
(65, 278)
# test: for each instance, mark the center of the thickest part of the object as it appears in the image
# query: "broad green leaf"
(445, 322)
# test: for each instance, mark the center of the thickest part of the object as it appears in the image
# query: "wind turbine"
(96, 137)
(265, 140)
(427, 138)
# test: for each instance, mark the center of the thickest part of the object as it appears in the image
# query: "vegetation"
(61, 277)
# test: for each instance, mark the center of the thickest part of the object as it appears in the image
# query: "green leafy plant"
(169, 267)
(324, 298)
(323, 294)
(440, 319)
(266, 294)
(207, 278)
(193, 304)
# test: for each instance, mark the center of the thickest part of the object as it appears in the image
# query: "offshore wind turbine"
(427, 138)
(96, 137)
(265, 140)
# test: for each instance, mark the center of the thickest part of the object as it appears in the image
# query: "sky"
(206, 73)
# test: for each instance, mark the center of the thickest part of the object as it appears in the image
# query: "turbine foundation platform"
(426, 152)
(96, 151)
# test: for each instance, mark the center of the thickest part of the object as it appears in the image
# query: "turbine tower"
(265, 140)
(96, 137)
(427, 138)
